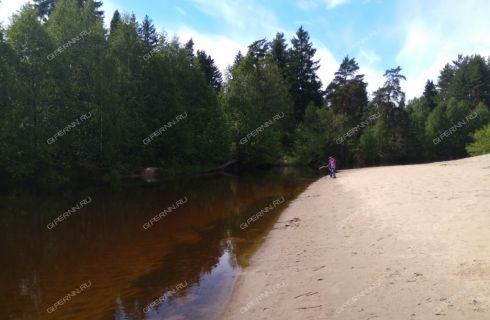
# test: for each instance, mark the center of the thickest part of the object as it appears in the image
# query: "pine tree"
(257, 51)
(305, 84)
(471, 81)
(238, 58)
(189, 47)
(445, 77)
(347, 94)
(211, 71)
(430, 95)
(148, 34)
(115, 21)
(279, 52)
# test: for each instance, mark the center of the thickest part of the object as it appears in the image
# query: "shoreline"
(397, 242)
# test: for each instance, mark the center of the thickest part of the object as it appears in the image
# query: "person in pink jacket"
(332, 166)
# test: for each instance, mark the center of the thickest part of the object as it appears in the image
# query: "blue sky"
(420, 36)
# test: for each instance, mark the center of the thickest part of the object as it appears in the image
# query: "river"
(106, 258)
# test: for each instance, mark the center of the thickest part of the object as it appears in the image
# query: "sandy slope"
(402, 242)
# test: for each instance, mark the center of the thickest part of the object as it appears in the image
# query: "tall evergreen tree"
(115, 21)
(148, 33)
(347, 94)
(189, 47)
(257, 51)
(279, 52)
(430, 95)
(445, 77)
(471, 81)
(211, 71)
(305, 84)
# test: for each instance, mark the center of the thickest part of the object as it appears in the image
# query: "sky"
(420, 36)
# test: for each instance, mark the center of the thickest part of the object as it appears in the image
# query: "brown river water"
(104, 257)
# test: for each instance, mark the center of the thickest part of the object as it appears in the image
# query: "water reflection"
(199, 243)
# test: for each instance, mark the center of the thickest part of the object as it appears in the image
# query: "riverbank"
(400, 242)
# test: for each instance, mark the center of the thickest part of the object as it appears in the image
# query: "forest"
(82, 102)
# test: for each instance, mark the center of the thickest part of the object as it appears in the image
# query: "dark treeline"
(80, 102)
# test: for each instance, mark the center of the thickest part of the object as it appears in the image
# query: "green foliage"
(107, 91)
(210, 70)
(259, 107)
(481, 144)
(371, 143)
(306, 87)
(317, 134)
(347, 94)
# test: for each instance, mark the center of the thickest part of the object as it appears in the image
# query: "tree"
(471, 81)
(347, 97)
(445, 77)
(389, 103)
(430, 95)
(46, 7)
(30, 109)
(211, 71)
(115, 21)
(347, 94)
(481, 144)
(257, 51)
(148, 34)
(305, 84)
(316, 136)
(279, 52)
(256, 98)
(189, 47)
(238, 58)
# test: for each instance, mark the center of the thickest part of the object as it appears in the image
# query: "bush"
(481, 144)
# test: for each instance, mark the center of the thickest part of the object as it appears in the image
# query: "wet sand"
(399, 242)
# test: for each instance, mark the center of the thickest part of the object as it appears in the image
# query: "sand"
(398, 242)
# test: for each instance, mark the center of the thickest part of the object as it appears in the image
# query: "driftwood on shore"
(231, 165)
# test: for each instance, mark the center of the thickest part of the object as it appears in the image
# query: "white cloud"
(434, 34)
(221, 48)
(328, 64)
(373, 77)
(307, 5)
(335, 3)
(8, 8)
(109, 7)
(241, 16)
(367, 57)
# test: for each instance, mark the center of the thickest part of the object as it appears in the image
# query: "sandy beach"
(399, 242)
